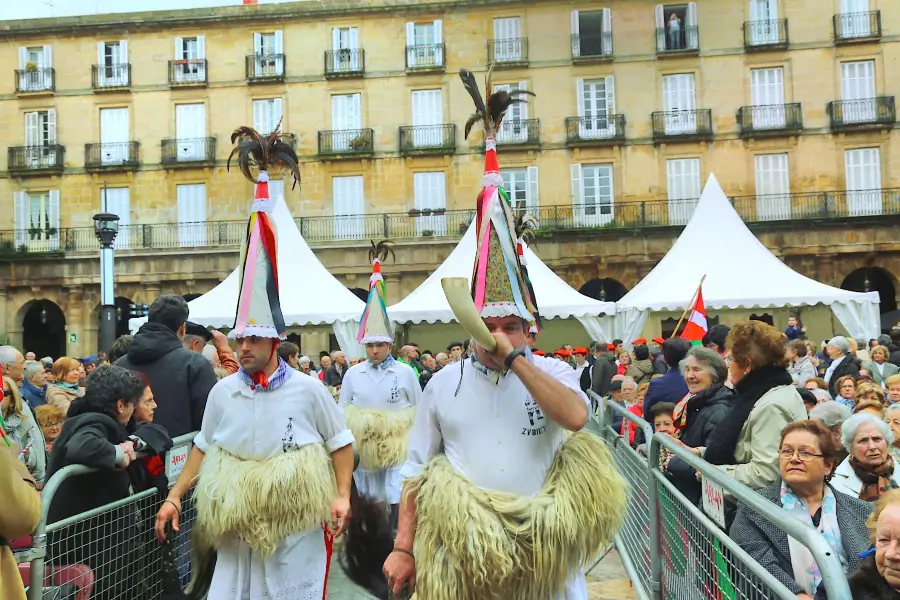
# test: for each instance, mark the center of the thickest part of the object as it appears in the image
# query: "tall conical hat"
(258, 307)
(500, 285)
(374, 325)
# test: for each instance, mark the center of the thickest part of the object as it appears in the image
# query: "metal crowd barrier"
(109, 552)
(671, 549)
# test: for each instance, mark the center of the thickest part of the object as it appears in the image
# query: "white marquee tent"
(309, 293)
(740, 273)
(555, 298)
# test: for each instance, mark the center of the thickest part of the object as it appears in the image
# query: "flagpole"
(690, 306)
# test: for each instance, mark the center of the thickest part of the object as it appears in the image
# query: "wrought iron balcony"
(595, 131)
(857, 27)
(766, 34)
(35, 158)
(507, 52)
(770, 120)
(592, 46)
(110, 77)
(263, 68)
(349, 142)
(834, 206)
(345, 63)
(522, 132)
(119, 156)
(684, 40)
(189, 152)
(862, 114)
(187, 72)
(684, 125)
(35, 80)
(425, 57)
(428, 139)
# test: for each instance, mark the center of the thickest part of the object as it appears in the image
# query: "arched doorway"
(604, 290)
(873, 279)
(123, 313)
(360, 293)
(44, 329)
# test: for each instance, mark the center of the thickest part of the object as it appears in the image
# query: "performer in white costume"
(379, 398)
(501, 501)
(274, 458)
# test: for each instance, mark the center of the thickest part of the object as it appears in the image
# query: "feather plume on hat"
(374, 325)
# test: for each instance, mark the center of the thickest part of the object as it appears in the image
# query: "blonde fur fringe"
(382, 436)
(264, 502)
(476, 544)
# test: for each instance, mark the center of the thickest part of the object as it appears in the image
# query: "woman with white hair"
(868, 471)
(843, 363)
(892, 419)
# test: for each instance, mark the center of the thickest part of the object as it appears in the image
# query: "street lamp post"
(106, 226)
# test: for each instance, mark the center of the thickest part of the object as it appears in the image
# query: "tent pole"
(690, 306)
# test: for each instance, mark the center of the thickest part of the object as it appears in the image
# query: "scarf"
(384, 365)
(691, 404)
(806, 571)
(69, 387)
(875, 481)
(260, 379)
(723, 441)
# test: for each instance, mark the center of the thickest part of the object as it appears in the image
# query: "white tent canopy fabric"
(555, 298)
(740, 273)
(309, 293)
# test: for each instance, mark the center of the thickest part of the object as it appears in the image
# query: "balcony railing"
(586, 131)
(868, 112)
(761, 35)
(682, 124)
(425, 57)
(511, 51)
(587, 46)
(771, 119)
(345, 62)
(185, 72)
(522, 132)
(265, 67)
(189, 152)
(35, 80)
(431, 139)
(105, 77)
(859, 26)
(111, 156)
(346, 141)
(631, 215)
(683, 39)
(35, 158)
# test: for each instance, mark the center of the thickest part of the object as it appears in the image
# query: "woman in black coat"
(705, 374)
(100, 433)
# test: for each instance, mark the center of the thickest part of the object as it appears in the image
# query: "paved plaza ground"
(607, 582)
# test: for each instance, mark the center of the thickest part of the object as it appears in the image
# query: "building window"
(349, 206)
(513, 128)
(424, 44)
(767, 95)
(268, 57)
(118, 202)
(508, 40)
(683, 183)
(40, 128)
(190, 55)
(190, 131)
(591, 33)
(428, 118)
(37, 219)
(266, 115)
(115, 148)
(192, 224)
(596, 107)
(592, 194)
(430, 191)
(522, 187)
(773, 186)
(346, 121)
(863, 172)
(345, 43)
(680, 109)
(676, 27)
(34, 68)
(858, 91)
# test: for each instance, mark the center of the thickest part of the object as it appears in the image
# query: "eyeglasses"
(803, 455)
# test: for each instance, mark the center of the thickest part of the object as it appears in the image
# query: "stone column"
(75, 320)
(5, 317)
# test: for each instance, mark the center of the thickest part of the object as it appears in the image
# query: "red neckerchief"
(260, 378)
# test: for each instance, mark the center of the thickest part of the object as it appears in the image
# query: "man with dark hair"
(600, 375)
(671, 386)
(454, 351)
(120, 347)
(180, 379)
(289, 352)
(715, 338)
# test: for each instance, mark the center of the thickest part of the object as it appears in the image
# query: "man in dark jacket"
(671, 386)
(895, 347)
(180, 379)
(33, 387)
(600, 374)
(335, 373)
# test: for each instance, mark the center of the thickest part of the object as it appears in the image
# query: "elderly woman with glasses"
(806, 460)
(868, 471)
(843, 362)
(707, 403)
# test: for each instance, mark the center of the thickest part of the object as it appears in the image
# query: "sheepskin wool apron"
(382, 436)
(478, 544)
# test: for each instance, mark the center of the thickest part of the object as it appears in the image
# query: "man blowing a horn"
(501, 499)
(274, 458)
(379, 398)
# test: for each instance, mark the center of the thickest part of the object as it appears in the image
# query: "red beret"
(610, 347)
(580, 350)
(659, 341)
(561, 352)
(641, 341)
(538, 352)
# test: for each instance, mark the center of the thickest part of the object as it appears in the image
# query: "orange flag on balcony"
(696, 326)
